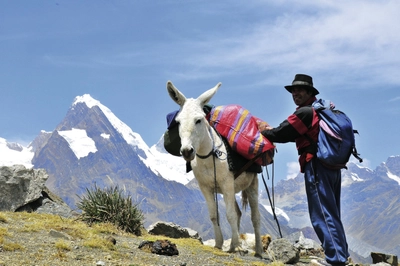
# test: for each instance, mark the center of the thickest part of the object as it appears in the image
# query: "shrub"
(111, 206)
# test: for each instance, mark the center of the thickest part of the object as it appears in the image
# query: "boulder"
(282, 250)
(172, 230)
(387, 258)
(20, 186)
(24, 189)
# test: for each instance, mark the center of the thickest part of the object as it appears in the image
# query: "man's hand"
(262, 125)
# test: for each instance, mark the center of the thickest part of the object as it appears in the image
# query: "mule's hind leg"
(212, 210)
(252, 195)
(239, 214)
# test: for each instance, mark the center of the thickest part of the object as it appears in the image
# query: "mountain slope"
(93, 147)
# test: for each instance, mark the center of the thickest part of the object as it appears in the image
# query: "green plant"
(110, 205)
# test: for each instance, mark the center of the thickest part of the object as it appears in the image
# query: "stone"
(57, 234)
(20, 186)
(24, 189)
(282, 250)
(387, 258)
(172, 230)
(111, 239)
(160, 247)
(301, 242)
(165, 247)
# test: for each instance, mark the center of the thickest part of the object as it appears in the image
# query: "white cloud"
(293, 170)
(346, 36)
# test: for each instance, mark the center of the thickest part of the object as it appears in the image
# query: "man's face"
(300, 95)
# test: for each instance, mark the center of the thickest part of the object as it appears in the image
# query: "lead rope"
(214, 151)
(215, 176)
(215, 190)
(271, 202)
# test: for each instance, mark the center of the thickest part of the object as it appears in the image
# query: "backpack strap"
(354, 151)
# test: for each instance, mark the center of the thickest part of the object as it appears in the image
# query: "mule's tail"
(245, 200)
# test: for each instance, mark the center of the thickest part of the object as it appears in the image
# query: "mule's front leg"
(233, 215)
(212, 210)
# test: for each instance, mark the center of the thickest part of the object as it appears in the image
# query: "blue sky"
(122, 53)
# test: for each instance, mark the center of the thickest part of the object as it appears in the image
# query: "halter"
(214, 150)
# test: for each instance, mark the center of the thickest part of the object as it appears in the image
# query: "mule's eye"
(198, 121)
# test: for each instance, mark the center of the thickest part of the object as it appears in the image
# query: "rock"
(172, 230)
(387, 258)
(282, 250)
(306, 246)
(111, 239)
(160, 247)
(20, 186)
(58, 234)
(51, 207)
(24, 189)
(301, 242)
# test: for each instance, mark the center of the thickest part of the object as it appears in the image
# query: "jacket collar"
(308, 103)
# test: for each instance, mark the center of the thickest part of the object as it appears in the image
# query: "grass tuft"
(62, 245)
(110, 205)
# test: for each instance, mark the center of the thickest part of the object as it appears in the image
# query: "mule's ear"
(206, 96)
(175, 94)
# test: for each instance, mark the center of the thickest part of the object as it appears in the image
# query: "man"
(323, 185)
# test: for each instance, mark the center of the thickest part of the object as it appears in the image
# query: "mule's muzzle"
(188, 154)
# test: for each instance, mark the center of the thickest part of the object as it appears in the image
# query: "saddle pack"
(235, 125)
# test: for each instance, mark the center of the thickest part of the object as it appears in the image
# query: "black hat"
(302, 80)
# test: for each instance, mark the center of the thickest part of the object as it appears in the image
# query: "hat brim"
(289, 88)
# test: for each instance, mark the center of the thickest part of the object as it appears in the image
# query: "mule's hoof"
(239, 250)
(258, 256)
(265, 259)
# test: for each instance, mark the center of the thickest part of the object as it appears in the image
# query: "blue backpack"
(336, 142)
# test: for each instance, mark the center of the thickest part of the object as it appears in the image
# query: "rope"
(215, 190)
(271, 202)
(214, 151)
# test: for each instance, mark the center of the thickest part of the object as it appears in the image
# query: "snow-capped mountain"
(13, 153)
(161, 163)
(91, 146)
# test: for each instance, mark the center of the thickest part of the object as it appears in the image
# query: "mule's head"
(193, 126)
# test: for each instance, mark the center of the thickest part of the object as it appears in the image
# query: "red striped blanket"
(240, 129)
